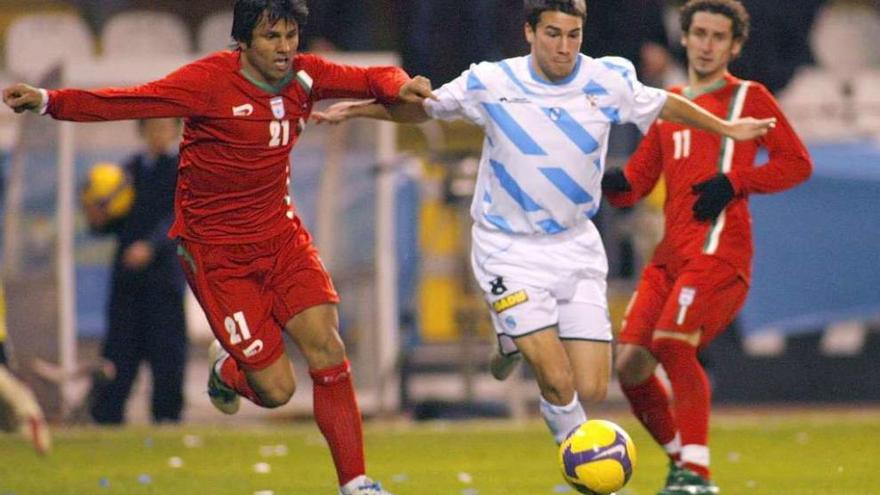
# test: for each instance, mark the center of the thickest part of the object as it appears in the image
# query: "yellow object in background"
(2, 315)
(657, 196)
(440, 287)
(109, 187)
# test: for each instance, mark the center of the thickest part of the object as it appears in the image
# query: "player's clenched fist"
(21, 97)
(416, 90)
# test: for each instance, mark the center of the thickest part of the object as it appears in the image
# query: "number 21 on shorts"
(238, 330)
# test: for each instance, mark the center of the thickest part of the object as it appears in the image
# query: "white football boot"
(362, 485)
(224, 398)
(501, 366)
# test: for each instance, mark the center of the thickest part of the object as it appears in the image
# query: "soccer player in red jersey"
(699, 275)
(247, 257)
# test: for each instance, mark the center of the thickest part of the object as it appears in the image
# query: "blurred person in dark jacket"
(145, 313)
(780, 41)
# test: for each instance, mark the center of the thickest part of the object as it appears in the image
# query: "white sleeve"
(45, 105)
(639, 104)
(455, 100)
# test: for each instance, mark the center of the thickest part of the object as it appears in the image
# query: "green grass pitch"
(790, 453)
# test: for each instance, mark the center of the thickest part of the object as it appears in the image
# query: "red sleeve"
(789, 162)
(333, 80)
(180, 94)
(642, 171)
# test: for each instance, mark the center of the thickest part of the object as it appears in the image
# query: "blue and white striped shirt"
(544, 151)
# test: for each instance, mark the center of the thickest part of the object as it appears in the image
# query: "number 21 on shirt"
(279, 132)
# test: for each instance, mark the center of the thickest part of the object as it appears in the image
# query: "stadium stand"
(844, 37)
(36, 42)
(866, 91)
(819, 118)
(214, 32)
(145, 32)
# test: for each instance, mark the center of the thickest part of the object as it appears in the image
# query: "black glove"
(715, 194)
(615, 181)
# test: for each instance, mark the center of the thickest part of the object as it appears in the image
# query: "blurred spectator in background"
(779, 41)
(632, 29)
(441, 39)
(145, 314)
(337, 25)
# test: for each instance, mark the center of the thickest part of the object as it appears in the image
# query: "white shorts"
(532, 283)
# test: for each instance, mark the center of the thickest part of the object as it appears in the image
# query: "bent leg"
(647, 396)
(591, 364)
(547, 356)
(315, 332)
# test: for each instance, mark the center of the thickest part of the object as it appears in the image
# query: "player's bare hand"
(339, 112)
(22, 97)
(416, 90)
(138, 255)
(750, 128)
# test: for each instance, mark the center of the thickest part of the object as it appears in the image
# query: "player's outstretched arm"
(683, 111)
(22, 97)
(408, 110)
(402, 113)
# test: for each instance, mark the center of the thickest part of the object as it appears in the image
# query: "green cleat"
(683, 481)
(674, 469)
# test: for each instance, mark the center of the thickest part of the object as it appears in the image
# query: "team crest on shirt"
(686, 296)
(278, 107)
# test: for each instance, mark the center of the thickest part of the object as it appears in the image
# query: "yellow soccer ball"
(109, 187)
(597, 458)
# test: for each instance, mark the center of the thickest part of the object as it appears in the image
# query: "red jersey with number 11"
(234, 170)
(687, 156)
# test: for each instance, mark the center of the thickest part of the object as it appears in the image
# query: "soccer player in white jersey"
(536, 254)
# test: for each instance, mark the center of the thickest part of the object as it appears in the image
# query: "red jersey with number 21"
(234, 158)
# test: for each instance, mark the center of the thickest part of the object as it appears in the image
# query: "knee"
(629, 368)
(557, 385)
(593, 390)
(327, 351)
(277, 396)
(634, 367)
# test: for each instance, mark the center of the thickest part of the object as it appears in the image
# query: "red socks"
(233, 376)
(339, 419)
(649, 402)
(690, 388)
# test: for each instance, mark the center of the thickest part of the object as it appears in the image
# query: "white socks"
(563, 419)
(673, 448)
(695, 454)
(354, 483)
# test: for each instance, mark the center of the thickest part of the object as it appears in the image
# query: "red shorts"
(249, 291)
(705, 295)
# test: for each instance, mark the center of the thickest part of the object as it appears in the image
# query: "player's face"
(556, 43)
(269, 55)
(710, 45)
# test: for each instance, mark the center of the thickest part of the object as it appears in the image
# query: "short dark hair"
(247, 14)
(732, 9)
(534, 9)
